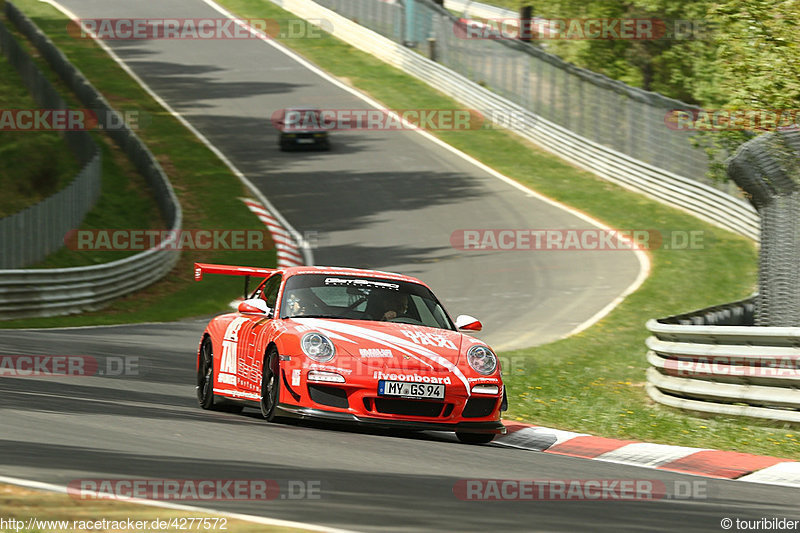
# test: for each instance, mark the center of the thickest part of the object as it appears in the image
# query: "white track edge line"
(307, 254)
(642, 257)
(38, 485)
(644, 260)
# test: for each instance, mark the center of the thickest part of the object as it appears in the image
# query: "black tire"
(475, 438)
(270, 385)
(205, 375)
(205, 382)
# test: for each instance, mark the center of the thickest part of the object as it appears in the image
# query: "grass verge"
(39, 509)
(209, 194)
(125, 200)
(26, 180)
(594, 381)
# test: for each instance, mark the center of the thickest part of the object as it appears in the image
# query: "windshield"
(362, 298)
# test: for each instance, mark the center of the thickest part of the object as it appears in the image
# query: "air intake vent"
(330, 396)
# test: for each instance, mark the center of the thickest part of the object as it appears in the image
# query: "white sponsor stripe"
(238, 393)
(369, 334)
(787, 473)
(388, 345)
(647, 454)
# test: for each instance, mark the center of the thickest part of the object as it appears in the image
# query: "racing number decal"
(429, 339)
(230, 357)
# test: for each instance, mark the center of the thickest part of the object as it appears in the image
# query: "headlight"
(482, 360)
(318, 347)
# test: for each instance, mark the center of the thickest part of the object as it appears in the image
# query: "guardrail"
(48, 292)
(699, 199)
(31, 234)
(707, 361)
(741, 370)
(479, 10)
(743, 358)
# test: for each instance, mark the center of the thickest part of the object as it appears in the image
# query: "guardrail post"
(411, 25)
(526, 23)
(431, 48)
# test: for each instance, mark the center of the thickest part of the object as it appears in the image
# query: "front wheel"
(474, 438)
(270, 385)
(205, 382)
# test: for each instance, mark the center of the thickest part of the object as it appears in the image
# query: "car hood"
(389, 345)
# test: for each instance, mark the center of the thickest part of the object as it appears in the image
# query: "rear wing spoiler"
(231, 270)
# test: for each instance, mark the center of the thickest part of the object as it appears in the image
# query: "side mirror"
(254, 305)
(468, 323)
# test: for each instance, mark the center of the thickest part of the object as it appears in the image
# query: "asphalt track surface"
(147, 425)
(383, 200)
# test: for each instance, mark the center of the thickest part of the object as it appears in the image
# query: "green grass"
(594, 381)
(125, 199)
(25, 180)
(209, 194)
(22, 504)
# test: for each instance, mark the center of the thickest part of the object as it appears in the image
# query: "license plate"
(305, 141)
(405, 389)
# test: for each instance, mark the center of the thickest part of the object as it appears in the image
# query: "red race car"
(353, 346)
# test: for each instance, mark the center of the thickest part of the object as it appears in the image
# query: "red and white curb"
(686, 460)
(288, 250)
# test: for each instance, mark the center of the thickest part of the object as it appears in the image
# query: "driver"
(396, 304)
(296, 305)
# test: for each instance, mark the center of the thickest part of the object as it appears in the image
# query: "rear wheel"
(270, 385)
(205, 382)
(474, 438)
(205, 375)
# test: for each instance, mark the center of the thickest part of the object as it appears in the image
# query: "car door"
(259, 334)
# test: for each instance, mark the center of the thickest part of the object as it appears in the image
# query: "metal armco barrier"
(58, 291)
(699, 199)
(744, 358)
(725, 369)
(714, 360)
(30, 235)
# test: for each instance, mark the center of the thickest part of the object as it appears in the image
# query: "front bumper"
(307, 413)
